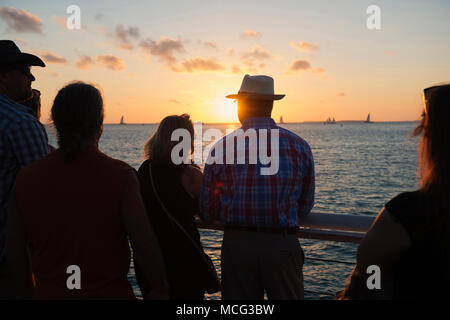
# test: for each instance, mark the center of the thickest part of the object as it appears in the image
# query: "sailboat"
(368, 119)
(281, 120)
(121, 121)
(329, 121)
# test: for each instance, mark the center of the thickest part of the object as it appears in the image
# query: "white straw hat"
(258, 88)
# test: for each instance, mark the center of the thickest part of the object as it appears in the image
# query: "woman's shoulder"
(192, 173)
(412, 201)
(144, 165)
(411, 210)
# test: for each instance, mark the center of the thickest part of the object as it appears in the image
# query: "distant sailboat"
(329, 121)
(281, 120)
(121, 121)
(368, 119)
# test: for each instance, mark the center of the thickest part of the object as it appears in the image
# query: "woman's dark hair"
(434, 156)
(77, 115)
(159, 147)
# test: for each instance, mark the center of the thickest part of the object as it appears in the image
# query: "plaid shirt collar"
(5, 100)
(258, 123)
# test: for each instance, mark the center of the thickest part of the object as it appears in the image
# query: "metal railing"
(321, 226)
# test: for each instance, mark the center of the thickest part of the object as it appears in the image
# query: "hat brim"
(28, 58)
(255, 96)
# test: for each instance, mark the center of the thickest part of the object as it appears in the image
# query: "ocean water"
(359, 167)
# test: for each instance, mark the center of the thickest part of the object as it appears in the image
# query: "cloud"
(304, 46)
(124, 36)
(318, 70)
(236, 69)
(256, 53)
(389, 53)
(53, 58)
(199, 64)
(303, 65)
(20, 20)
(250, 34)
(299, 65)
(174, 101)
(111, 62)
(60, 21)
(208, 44)
(164, 49)
(341, 94)
(84, 63)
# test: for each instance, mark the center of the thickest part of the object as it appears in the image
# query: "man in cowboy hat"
(22, 137)
(260, 213)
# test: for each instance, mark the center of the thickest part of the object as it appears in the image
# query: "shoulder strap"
(172, 218)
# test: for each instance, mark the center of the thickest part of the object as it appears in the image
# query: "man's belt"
(276, 230)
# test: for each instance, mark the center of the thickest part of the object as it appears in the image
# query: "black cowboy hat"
(10, 54)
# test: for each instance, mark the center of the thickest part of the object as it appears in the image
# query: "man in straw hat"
(260, 212)
(22, 137)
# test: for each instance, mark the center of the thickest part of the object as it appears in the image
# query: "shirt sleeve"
(28, 141)
(306, 200)
(210, 194)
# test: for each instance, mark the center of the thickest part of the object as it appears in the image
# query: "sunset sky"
(155, 58)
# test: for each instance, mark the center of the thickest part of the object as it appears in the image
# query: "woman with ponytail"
(73, 212)
(406, 252)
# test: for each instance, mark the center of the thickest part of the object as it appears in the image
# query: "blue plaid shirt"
(239, 195)
(22, 140)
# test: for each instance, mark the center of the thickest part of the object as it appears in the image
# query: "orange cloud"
(299, 65)
(84, 63)
(199, 65)
(20, 20)
(304, 65)
(256, 53)
(123, 35)
(304, 46)
(53, 58)
(250, 34)
(164, 49)
(111, 62)
(208, 44)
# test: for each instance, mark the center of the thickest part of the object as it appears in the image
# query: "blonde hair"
(159, 146)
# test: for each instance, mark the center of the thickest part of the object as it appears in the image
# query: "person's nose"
(31, 77)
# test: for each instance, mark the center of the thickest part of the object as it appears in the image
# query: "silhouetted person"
(178, 187)
(23, 137)
(410, 239)
(77, 208)
(259, 204)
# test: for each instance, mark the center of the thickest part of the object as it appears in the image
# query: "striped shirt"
(240, 195)
(22, 140)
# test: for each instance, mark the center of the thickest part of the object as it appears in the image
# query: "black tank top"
(423, 271)
(183, 262)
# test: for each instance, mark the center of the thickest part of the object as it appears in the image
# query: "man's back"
(241, 195)
(22, 141)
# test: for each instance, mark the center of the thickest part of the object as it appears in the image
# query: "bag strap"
(172, 218)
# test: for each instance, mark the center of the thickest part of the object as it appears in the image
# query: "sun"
(225, 110)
